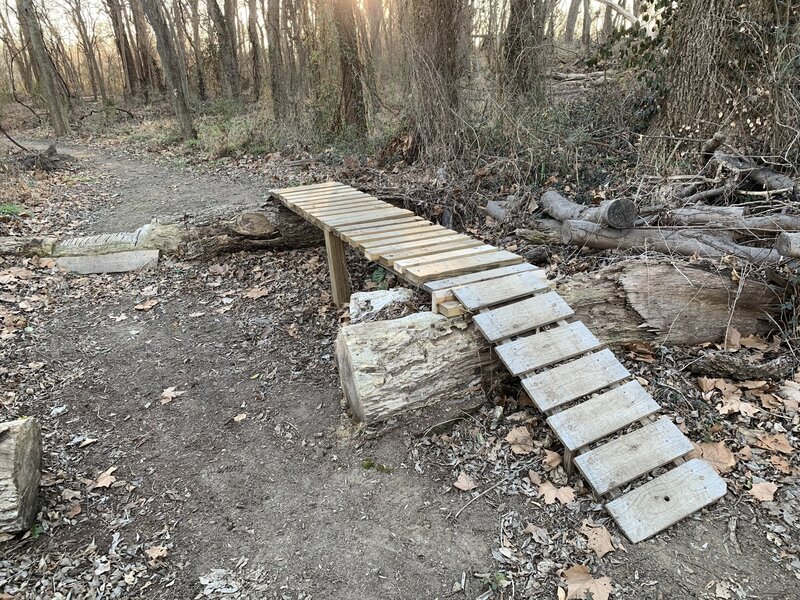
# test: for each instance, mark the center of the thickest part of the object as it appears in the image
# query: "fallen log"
(739, 368)
(788, 244)
(274, 227)
(620, 213)
(686, 242)
(669, 304)
(390, 367)
(762, 176)
(731, 217)
(20, 472)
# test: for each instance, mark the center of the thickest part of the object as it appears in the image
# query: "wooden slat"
(602, 415)
(366, 217)
(440, 256)
(344, 201)
(547, 348)
(375, 249)
(564, 383)
(347, 230)
(459, 266)
(345, 210)
(504, 289)
(313, 195)
(316, 191)
(665, 500)
(310, 186)
(632, 455)
(524, 315)
(401, 237)
(451, 282)
(410, 229)
(459, 243)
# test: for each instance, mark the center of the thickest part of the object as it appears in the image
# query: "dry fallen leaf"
(755, 342)
(240, 417)
(764, 491)
(465, 483)
(777, 442)
(781, 464)
(715, 453)
(598, 538)
(580, 584)
(255, 293)
(732, 403)
(551, 460)
(106, 478)
(155, 552)
(733, 339)
(74, 510)
(146, 305)
(170, 393)
(706, 384)
(551, 493)
(520, 440)
(539, 534)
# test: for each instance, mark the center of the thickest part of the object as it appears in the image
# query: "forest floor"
(195, 442)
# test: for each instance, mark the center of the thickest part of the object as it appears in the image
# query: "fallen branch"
(13, 141)
(788, 244)
(686, 242)
(764, 177)
(739, 368)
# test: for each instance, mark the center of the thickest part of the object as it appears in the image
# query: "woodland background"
(524, 88)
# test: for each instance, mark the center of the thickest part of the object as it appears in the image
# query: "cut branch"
(620, 213)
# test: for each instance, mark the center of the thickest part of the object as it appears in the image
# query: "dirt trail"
(253, 479)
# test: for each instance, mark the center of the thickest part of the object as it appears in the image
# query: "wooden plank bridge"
(603, 417)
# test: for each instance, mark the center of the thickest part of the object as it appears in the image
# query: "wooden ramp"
(600, 413)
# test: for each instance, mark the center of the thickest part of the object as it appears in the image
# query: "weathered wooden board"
(569, 381)
(458, 242)
(345, 210)
(327, 185)
(601, 416)
(460, 266)
(380, 234)
(401, 237)
(119, 262)
(347, 230)
(366, 217)
(302, 199)
(504, 289)
(379, 248)
(665, 500)
(339, 203)
(521, 316)
(632, 455)
(432, 258)
(451, 282)
(547, 348)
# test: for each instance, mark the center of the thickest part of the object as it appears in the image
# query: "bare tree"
(174, 70)
(276, 66)
(131, 87)
(46, 74)
(523, 45)
(87, 44)
(572, 19)
(229, 63)
(256, 52)
(353, 108)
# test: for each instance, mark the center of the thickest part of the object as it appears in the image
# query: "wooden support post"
(569, 462)
(337, 265)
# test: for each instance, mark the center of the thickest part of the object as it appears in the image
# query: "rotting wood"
(118, 262)
(383, 374)
(20, 472)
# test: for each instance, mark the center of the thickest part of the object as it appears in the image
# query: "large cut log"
(742, 368)
(620, 213)
(674, 304)
(273, 227)
(686, 242)
(20, 472)
(731, 217)
(390, 367)
(788, 244)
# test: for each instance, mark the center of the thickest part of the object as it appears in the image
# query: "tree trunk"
(720, 76)
(96, 76)
(229, 63)
(130, 78)
(374, 12)
(572, 19)
(390, 367)
(523, 45)
(197, 49)
(353, 109)
(256, 52)
(20, 473)
(174, 70)
(276, 66)
(620, 213)
(586, 31)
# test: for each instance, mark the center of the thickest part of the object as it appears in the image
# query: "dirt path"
(249, 481)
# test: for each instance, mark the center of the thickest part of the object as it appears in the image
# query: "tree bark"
(788, 244)
(229, 62)
(20, 473)
(276, 65)
(572, 19)
(620, 213)
(390, 367)
(256, 52)
(45, 71)
(275, 227)
(353, 108)
(174, 70)
(686, 242)
(131, 86)
(523, 45)
(95, 75)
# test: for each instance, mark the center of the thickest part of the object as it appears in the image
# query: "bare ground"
(255, 471)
